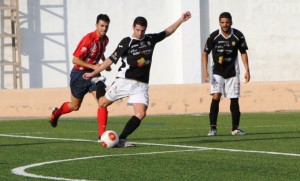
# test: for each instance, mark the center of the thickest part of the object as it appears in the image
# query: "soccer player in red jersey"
(86, 58)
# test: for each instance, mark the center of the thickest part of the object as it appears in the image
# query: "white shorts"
(135, 90)
(229, 87)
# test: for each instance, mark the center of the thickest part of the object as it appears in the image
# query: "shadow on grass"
(31, 144)
(224, 138)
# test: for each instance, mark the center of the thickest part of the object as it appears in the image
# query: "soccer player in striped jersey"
(224, 79)
(133, 76)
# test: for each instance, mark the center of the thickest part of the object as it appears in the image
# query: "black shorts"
(79, 86)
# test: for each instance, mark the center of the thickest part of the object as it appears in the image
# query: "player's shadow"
(281, 132)
(32, 144)
(238, 140)
(26, 144)
(221, 138)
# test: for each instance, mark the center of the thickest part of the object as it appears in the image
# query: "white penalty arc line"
(21, 170)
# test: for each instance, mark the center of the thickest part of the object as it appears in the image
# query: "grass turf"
(168, 148)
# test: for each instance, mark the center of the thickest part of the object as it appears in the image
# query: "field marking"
(45, 138)
(157, 144)
(222, 149)
(159, 129)
(21, 170)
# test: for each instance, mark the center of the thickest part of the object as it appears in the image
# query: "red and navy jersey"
(225, 52)
(90, 49)
(136, 56)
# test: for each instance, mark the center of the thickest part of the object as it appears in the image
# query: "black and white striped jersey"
(225, 52)
(136, 55)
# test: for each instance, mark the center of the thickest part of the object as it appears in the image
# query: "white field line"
(45, 138)
(159, 129)
(21, 170)
(156, 144)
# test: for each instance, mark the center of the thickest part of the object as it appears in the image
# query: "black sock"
(131, 125)
(213, 115)
(235, 112)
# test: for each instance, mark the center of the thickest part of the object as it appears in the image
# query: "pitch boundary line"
(157, 144)
(160, 129)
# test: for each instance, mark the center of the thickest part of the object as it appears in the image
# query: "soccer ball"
(109, 139)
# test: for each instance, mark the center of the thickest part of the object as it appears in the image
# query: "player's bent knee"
(140, 115)
(103, 102)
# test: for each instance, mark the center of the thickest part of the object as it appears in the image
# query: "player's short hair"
(102, 17)
(140, 21)
(225, 15)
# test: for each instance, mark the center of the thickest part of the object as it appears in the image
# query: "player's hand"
(108, 69)
(185, 16)
(247, 77)
(87, 76)
(206, 76)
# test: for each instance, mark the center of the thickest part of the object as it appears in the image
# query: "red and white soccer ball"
(109, 139)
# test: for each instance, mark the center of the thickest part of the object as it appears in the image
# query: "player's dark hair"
(102, 17)
(140, 21)
(225, 15)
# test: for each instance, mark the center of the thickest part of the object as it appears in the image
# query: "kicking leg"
(135, 121)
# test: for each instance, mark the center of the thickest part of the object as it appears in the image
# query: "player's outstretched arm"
(107, 63)
(171, 29)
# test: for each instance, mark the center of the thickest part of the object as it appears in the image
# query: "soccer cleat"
(124, 144)
(238, 132)
(99, 140)
(53, 119)
(212, 132)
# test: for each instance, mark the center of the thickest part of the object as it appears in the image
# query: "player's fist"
(187, 15)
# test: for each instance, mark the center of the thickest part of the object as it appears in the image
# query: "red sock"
(64, 109)
(102, 120)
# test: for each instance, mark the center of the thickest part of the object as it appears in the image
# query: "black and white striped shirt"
(225, 52)
(136, 56)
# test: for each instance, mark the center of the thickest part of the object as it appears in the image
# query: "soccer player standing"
(224, 45)
(86, 58)
(133, 75)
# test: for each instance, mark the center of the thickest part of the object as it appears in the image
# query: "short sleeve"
(120, 50)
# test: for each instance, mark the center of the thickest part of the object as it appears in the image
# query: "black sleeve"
(242, 42)
(209, 45)
(157, 37)
(120, 50)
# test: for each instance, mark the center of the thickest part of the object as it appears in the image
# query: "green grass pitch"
(168, 148)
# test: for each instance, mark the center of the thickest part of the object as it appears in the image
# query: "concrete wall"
(164, 99)
(51, 29)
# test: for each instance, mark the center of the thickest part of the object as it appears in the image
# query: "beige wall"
(164, 99)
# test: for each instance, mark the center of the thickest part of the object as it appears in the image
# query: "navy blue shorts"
(79, 86)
